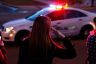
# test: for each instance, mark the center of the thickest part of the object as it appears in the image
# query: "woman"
(40, 47)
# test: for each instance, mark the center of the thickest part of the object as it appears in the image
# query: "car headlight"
(9, 29)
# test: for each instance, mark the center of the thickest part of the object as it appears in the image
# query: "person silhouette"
(91, 45)
(40, 47)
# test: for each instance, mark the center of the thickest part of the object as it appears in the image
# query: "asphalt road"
(12, 54)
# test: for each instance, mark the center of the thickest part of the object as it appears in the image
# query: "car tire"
(85, 32)
(20, 35)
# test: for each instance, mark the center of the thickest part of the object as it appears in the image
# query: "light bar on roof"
(66, 5)
(59, 7)
(52, 5)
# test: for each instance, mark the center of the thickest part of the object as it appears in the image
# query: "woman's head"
(42, 23)
(40, 31)
(41, 26)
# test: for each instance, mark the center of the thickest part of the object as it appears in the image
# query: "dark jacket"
(91, 46)
(54, 51)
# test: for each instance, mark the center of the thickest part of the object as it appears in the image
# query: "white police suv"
(70, 21)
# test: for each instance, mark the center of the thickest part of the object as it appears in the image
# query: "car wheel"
(20, 35)
(85, 32)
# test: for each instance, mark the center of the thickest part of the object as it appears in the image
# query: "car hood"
(17, 22)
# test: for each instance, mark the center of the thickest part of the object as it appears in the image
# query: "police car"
(70, 21)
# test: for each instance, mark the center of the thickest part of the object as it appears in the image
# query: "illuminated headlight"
(9, 29)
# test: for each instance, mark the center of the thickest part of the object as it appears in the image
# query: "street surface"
(12, 54)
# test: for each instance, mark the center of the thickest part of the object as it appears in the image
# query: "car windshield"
(44, 11)
(32, 17)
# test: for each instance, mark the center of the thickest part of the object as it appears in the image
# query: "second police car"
(70, 21)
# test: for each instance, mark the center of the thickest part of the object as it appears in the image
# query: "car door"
(56, 17)
(72, 22)
(67, 21)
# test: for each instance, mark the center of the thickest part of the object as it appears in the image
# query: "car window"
(73, 14)
(56, 15)
(39, 13)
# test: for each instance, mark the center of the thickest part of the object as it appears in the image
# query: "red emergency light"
(59, 7)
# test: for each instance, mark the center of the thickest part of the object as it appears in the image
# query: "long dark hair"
(40, 37)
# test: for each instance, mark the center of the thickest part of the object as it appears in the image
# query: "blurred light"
(52, 5)
(59, 7)
(11, 35)
(8, 29)
(66, 5)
